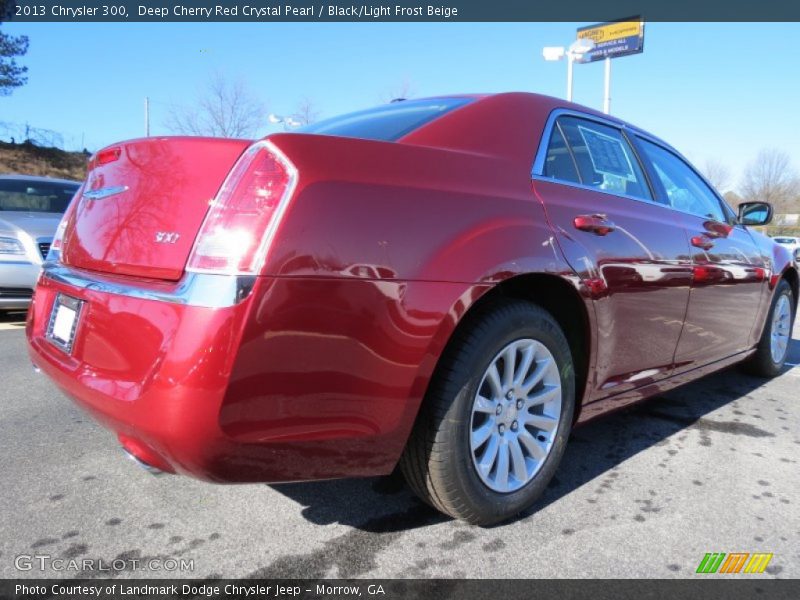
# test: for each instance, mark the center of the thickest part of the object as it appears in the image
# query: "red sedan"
(450, 284)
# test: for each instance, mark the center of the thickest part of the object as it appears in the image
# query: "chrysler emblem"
(104, 192)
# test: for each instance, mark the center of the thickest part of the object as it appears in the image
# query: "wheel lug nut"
(514, 426)
(510, 394)
(501, 429)
(498, 410)
(519, 404)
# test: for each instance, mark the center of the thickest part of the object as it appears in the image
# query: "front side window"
(603, 158)
(685, 190)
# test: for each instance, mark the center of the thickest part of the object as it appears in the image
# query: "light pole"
(575, 52)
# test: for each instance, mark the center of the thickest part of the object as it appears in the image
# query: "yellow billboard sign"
(617, 38)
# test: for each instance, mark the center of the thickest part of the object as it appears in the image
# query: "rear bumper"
(300, 379)
(154, 372)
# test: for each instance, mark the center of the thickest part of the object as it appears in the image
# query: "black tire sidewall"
(507, 326)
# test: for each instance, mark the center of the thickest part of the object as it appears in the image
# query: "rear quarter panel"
(381, 252)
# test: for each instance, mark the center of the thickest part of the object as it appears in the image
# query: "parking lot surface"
(646, 492)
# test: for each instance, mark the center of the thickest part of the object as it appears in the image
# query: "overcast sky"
(712, 90)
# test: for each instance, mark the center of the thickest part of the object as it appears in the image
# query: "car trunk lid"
(143, 204)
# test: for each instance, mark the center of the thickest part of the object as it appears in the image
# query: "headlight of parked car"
(11, 248)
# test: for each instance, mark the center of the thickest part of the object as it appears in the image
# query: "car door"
(631, 252)
(730, 275)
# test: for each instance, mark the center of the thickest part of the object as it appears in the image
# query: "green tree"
(12, 75)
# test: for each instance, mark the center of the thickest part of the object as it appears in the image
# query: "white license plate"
(64, 322)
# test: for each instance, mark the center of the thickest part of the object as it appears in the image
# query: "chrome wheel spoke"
(524, 365)
(509, 364)
(537, 375)
(484, 405)
(546, 394)
(501, 476)
(489, 455)
(543, 422)
(482, 433)
(532, 445)
(519, 466)
(493, 377)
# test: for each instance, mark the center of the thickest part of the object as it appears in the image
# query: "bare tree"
(732, 198)
(771, 178)
(717, 174)
(403, 90)
(306, 112)
(226, 109)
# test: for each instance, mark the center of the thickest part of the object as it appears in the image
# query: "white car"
(30, 211)
(792, 243)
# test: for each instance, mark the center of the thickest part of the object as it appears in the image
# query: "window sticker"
(607, 154)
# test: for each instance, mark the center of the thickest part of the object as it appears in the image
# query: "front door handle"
(715, 229)
(596, 224)
(703, 242)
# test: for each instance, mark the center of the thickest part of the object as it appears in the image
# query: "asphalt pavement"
(645, 492)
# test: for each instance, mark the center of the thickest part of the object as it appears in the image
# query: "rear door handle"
(596, 224)
(703, 242)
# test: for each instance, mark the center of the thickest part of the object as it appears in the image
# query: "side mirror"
(755, 213)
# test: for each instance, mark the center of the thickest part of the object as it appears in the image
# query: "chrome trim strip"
(582, 186)
(194, 289)
(104, 192)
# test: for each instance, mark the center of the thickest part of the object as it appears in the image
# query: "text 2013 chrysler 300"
(449, 283)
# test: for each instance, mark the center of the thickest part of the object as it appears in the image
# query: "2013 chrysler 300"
(450, 283)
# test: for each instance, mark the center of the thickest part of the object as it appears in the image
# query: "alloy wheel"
(515, 415)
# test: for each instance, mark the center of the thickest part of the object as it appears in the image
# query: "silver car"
(792, 243)
(30, 210)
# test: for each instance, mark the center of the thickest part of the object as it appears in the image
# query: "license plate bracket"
(63, 324)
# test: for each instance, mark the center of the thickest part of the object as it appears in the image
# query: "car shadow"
(383, 504)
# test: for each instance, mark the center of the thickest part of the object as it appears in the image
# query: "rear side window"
(35, 196)
(388, 122)
(559, 162)
(685, 190)
(603, 158)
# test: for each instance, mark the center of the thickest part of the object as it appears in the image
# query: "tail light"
(104, 157)
(241, 222)
(54, 253)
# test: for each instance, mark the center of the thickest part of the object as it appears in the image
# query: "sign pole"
(607, 87)
(146, 116)
(570, 62)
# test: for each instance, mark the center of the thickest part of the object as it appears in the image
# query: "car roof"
(37, 178)
(507, 124)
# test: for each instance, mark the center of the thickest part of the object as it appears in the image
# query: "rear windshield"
(785, 240)
(389, 122)
(35, 196)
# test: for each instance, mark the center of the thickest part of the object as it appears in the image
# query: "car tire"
(765, 362)
(443, 457)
